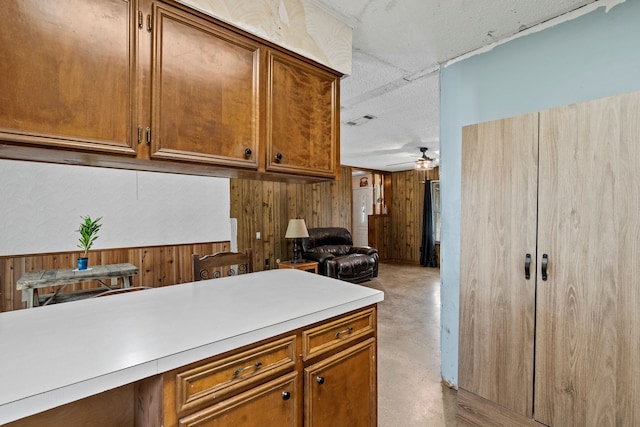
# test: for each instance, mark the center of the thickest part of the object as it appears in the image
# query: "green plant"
(88, 233)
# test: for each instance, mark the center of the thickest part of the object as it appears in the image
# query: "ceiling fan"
(422, 162)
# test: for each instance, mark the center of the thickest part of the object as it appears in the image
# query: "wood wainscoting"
(158, 266)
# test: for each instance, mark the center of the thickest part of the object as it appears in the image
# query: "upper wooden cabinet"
(302, 117)
(68, 74)
(155, 85)
(205, 91)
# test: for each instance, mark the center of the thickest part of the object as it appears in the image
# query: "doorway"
(362, 207)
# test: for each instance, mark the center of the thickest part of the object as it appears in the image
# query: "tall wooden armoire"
(550, 268)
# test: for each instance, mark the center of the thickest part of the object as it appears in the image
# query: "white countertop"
(57, 354)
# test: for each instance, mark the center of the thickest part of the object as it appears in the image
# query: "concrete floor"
(409, 389)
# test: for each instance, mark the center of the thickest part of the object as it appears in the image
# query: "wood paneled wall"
(380, 235)
(158, 266)
(406, 213)
(266, 207)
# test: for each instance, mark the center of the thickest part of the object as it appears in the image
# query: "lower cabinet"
(322, 375)
(341, 390)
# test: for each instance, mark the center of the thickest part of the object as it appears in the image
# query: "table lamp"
(296, 230)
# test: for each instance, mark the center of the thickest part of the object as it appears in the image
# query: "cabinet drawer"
(329, 336)
(222, 378)
(270, 404)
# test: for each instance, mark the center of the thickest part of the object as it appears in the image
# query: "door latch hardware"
(545, 262)
(527, 266)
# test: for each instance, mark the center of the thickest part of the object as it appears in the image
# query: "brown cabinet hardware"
(241, 370)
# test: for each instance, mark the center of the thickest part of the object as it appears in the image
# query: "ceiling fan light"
(422, 164)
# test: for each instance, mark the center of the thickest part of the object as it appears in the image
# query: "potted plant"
(88, 234)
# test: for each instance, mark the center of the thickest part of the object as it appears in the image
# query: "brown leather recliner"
(333, 248)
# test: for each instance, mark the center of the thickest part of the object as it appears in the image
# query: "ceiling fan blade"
(401, 163)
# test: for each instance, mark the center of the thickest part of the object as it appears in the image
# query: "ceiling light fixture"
(424, 162)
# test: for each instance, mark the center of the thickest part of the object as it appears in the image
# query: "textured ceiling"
(397, 48)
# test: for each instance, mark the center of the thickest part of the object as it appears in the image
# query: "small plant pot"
(82, 263)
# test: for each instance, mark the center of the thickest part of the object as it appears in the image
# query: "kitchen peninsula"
(196, 353)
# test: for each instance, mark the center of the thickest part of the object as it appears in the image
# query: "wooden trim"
(476, 411)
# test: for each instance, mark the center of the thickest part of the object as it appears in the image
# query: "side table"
(311, 266)
(31, 281)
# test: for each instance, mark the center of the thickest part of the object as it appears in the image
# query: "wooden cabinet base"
(478, 412)
(113, 408)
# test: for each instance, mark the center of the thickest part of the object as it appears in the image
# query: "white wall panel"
(41, 206)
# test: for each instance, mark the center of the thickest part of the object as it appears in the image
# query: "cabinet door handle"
(286, 395)
(241, 370)
(278, 157)
(527, 266)
(346, 331)
(247, 152)
(320, 380)
(543, 269)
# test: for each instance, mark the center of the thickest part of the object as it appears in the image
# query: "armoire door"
(498, 230)
(587, 314)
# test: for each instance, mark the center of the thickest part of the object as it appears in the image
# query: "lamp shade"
(296, 229)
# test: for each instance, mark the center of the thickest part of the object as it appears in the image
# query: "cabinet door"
(587, 340)
(340, 391)
(302, 118)
(205, 91)
(68, 74)
(271, 404)
(498, 230)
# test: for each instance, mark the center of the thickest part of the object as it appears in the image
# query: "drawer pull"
(346, 331)
(241, 370)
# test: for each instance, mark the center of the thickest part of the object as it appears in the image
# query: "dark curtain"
(427, 247)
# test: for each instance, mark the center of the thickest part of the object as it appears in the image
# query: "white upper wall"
(43, 203)
(298, 25)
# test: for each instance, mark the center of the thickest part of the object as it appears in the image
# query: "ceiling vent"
(361, 120)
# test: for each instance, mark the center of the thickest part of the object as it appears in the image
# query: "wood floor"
(409, 389)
